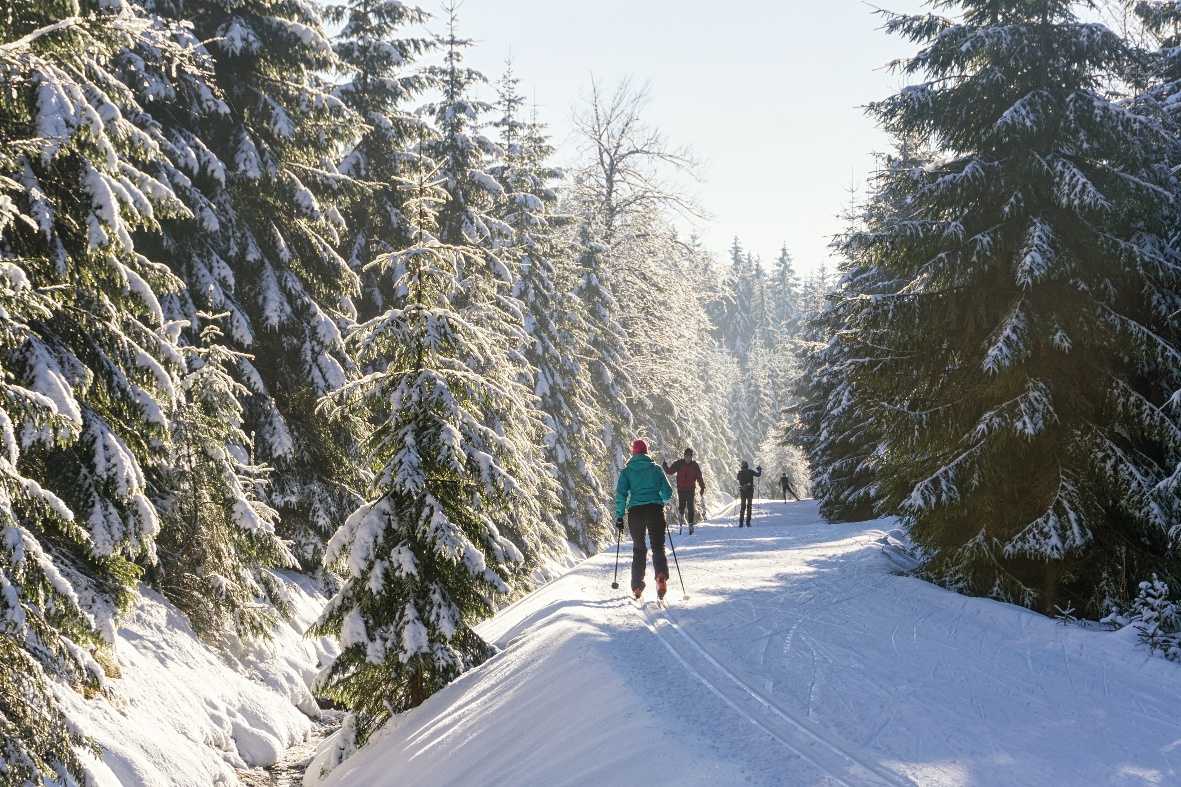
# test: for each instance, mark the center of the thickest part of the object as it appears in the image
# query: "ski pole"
(677, 563)
(618, 537)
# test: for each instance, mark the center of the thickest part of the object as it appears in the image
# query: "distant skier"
(689, 478)
(785, 485)
(746, 491)
(642, 491)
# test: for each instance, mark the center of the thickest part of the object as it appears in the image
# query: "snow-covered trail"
(799, 659)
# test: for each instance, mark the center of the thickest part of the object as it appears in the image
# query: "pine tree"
(218, 540)
(609, 372)
(785, 295)
(1163, 21)
(262, 248)
(44, 631)
(376, 56)
(834, 426)
(833, 420)
(574, 448)
(739, 320)
(1023, 355)
(89, 364)
(466, 158)
(429, 551)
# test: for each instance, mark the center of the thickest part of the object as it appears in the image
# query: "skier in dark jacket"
(689, 478)
(785, 485)
(746, 491)
(642, 491)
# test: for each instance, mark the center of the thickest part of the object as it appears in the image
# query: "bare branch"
(629, 163)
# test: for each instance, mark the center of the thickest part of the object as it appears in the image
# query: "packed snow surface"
(802, 657)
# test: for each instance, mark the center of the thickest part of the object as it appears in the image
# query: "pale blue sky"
(766, 92)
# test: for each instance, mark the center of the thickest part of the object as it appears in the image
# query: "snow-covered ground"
(181, 714)
(800, 658)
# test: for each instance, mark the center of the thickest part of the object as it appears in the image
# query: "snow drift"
(183, 715)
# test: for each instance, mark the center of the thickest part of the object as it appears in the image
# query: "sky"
(767, 93)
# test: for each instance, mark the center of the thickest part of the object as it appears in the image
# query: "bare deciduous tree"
(628, 162)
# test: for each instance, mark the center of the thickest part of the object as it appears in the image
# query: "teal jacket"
(641, 483)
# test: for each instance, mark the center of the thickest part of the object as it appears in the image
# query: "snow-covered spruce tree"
(377, 55)
(743, 414)
(89, 365)
(467, 219)
(428, 552)
(648, 275)
(573, 445)
(784, 292)
(105, 357)
(44, 632)
(605, 340)
(1157, 618)
(1162, 20)
(709, 366)
(737, 320)
(263, 248)
(836, 425)
(1021, 358)
(218, 541)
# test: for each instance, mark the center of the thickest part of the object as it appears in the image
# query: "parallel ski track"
(863, 772)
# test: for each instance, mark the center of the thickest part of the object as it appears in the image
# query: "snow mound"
(184, 715)
(901, 551)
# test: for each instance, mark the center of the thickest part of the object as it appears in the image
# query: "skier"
(642, 491)
(688, 473)
(785, 485)
(746, 491)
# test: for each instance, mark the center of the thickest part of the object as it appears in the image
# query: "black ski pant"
(787, 489)
(745, 503)
(687, 501)
(648, 520)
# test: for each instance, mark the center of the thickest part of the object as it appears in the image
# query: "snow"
(802, 657)
(180, 714)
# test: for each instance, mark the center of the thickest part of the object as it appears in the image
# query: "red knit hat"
(639, 447)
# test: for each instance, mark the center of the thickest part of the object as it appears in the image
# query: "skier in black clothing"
(785, 485)
(689, 479)
(746, 491)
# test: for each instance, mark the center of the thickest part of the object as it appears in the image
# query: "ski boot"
(639, 591)
(661, 586)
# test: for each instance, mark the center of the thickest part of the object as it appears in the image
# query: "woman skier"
(641, 492)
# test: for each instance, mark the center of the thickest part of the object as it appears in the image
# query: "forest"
(288, 287)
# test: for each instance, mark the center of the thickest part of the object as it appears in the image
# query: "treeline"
(1001, 363)
(274, 299)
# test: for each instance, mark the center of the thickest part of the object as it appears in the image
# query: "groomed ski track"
(800, 658)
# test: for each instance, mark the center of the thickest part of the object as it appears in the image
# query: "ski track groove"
(648, 624)
(878, 774)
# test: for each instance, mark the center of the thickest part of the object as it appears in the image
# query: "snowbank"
(182, 714)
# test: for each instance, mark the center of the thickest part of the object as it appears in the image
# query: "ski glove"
(619, 524)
